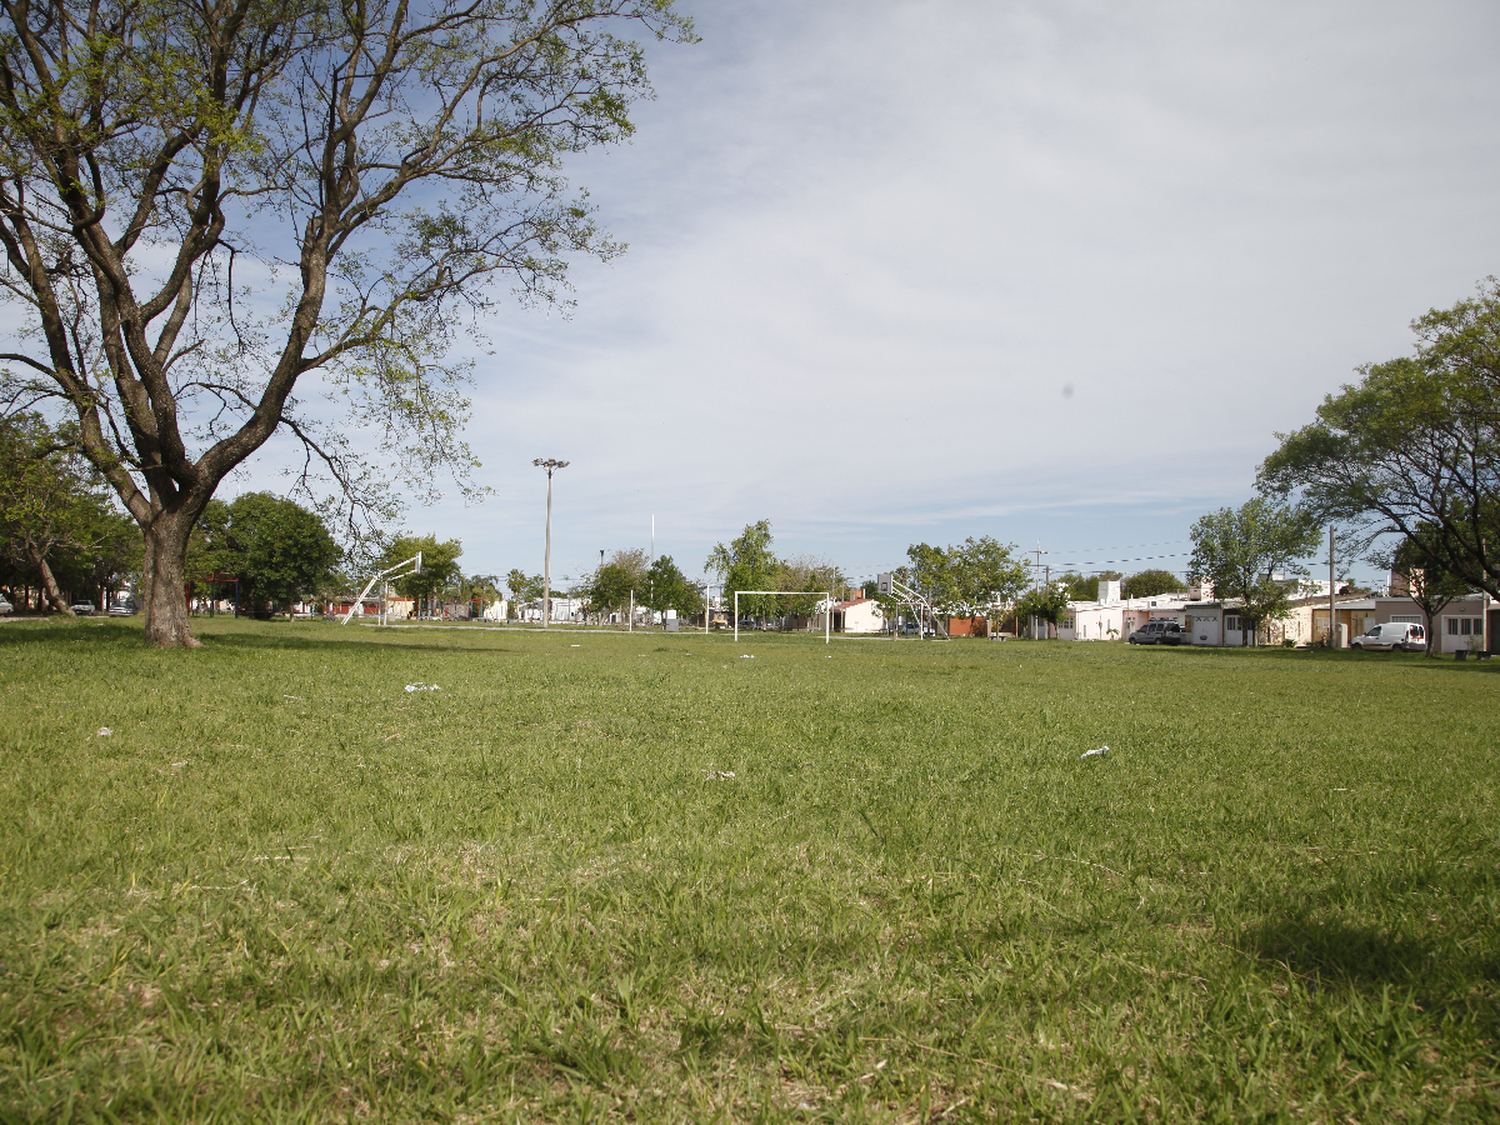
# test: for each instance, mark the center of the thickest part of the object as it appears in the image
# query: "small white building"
(1114, 619)
(859, 615)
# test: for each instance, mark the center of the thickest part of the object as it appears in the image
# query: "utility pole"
(1037, 578)
(1333, 629)
(551, 464)
(1036, 568)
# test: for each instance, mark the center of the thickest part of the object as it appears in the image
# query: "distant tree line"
(748, 563)
(63, 537)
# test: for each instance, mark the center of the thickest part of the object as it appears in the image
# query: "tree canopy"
(439, 564)
(973, 578)
(375, 166)
(1412, 449)
(748, 564)
(1047, 603)
(1241, 550)
(523, 587)
(1151, 582)
(59, 530)
(277, 549)
(667, 588)
(614, 583)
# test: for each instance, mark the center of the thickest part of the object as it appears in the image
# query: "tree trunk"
(49, 581)
(166, 582)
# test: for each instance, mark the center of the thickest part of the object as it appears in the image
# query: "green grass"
(285, 888)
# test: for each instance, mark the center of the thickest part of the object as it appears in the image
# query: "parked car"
(5, 607)
(84, 609)
(123, 607)
(1159, 633)
(1393, 636)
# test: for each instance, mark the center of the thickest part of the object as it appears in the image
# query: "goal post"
(415, 563)
(827, 608)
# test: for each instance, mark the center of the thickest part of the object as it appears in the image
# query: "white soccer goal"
(827, 608)
(415, 562)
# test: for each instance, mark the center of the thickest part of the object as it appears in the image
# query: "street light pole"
(551, 464)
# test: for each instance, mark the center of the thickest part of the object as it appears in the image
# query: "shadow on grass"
(270, 641)
(48, 630)
(127, 634)
(1334, 957)
(1334, 951)
(1277, 654)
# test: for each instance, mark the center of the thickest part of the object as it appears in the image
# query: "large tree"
(976, 577)
(371, 166)
(666, 587)
(748, 563)
(1413, 449)
(615, 584)
(1151, 582)
(1242, 551)
(1047, 603)
(277, 549)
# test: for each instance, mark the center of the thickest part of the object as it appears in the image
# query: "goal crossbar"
(827, 608)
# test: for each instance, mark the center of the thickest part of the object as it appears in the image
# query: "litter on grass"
(718, 775)
(419, 686)
(1092, 753)
(748, 656)
(105, 732)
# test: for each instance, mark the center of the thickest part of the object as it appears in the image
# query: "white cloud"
(874, 244)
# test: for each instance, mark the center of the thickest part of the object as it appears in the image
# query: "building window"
(1406, 619)
(1466, 626)
(1232, 624)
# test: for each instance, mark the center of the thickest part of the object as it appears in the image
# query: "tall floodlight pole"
(551, 464)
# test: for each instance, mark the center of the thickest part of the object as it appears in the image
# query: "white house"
(1114, 619)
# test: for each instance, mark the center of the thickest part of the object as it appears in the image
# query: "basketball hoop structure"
(888, 585)
(415, 562)
(827, 608)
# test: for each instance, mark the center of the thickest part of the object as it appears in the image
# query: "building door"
(1205, 630)
(1492, 636)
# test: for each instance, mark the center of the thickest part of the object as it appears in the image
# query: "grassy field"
(282, 886)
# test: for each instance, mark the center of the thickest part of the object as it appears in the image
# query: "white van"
(1393, 636)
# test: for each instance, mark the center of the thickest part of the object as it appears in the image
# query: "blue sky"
(914, 271)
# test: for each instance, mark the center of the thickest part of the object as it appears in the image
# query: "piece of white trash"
(419, 686)
(748, 656)
(719, 775)
(105, 732)
(1091, 753)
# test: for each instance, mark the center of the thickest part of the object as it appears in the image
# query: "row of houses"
(1467, 624)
